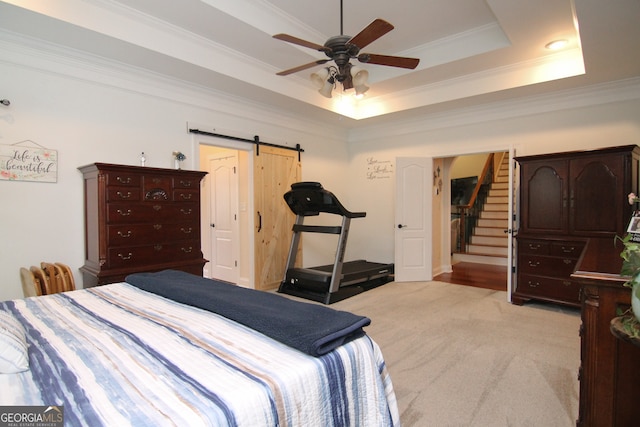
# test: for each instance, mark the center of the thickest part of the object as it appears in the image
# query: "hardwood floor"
(478, 275)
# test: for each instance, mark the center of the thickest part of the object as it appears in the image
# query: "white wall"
(93, 114)
(471, 165)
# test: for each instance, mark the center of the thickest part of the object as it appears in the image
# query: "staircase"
(488, 243)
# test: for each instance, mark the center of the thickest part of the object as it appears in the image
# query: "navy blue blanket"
(310, 328)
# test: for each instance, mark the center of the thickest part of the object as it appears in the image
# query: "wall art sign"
(28, 161)
(379, 169)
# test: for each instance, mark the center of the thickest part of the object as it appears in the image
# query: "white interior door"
(224, 216)
(413, 245)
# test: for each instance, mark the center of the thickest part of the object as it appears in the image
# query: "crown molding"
(598, 94)
(31, 53)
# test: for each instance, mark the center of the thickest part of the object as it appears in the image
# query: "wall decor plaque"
(28, 161)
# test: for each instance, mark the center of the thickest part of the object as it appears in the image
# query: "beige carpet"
(464, 356)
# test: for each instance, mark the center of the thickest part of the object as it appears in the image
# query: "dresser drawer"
(120, 194)
(186, 183)
(186, 195)
(157, 188)
(133, 234)
(122, 213)
(565, 290)
(538, 247)
(546, 265)
(122, 179)
(127, 256)
(567, 249)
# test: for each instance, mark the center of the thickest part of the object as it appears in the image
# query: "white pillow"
(14, 355)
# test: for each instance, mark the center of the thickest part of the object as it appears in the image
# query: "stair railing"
(470, 212)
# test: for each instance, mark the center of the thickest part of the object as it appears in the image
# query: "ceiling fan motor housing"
(341, 52)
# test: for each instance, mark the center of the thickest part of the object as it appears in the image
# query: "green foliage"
(631, 259)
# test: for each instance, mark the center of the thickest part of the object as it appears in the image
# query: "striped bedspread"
(117, 355)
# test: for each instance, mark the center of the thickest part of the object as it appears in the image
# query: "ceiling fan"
(341, 49)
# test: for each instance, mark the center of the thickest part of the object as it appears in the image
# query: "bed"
(147, 354)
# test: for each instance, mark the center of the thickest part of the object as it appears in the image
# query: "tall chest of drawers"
(140, 219)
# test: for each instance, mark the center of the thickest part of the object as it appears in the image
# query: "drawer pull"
(122, 180)
(534, 264)
(157, 226)
(124, 196)
(157, 207)
(533, 284)
(566, 283)
(567, 261)
(123, 235)
(186, 230)
(534, 247)
(568, 250)
(186, 211)
(187, 250)
(125, 257)
(186, 196)
(157, 248)
(185, 183)
(124, 213)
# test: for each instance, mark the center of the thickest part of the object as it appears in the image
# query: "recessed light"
(557, 44)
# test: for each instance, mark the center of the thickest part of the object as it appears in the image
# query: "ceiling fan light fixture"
(359, 76)
(327, 88)
(360, 90)
(320, 77)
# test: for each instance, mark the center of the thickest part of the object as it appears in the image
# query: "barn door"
(275, 169)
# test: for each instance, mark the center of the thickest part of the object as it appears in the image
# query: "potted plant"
(631, 268)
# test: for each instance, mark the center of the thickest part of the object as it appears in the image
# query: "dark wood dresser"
(567, 200)
(140, 219)
(610, 367)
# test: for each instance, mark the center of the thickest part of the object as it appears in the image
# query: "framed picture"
(634, 227)
(634, 224)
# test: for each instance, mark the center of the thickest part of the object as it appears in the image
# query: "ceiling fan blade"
(391, 61)
(302, 67)
(372, 32)
(295, 40)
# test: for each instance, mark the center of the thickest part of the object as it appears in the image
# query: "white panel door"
(413, 245)
(224, 217)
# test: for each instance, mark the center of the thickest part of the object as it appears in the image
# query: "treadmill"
(328, 283)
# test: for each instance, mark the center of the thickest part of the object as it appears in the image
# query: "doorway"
(252, 248)
(228, 244)
(223, 212)
(454, 269)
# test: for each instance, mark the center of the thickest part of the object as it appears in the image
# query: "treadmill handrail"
(318, 229)
(309, 199)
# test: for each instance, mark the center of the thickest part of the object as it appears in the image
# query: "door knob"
(213, 225)
(401, 225)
